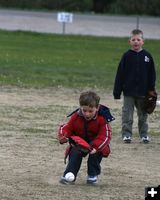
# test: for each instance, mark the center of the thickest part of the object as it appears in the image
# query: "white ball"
(70, 177)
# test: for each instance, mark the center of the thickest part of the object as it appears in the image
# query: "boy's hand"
(93, 151)
(62, 135)
(62, 139)
(118, 100)
(152, 93)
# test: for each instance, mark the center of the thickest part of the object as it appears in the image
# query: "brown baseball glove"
(150, 102)
(81, 145)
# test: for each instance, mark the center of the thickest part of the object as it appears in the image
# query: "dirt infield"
(31, 160)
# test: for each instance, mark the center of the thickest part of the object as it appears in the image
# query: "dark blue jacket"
(135, 74)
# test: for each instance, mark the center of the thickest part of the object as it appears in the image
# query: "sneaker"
(91, 179)
(127, 139)
(145, 140)
(65, 182)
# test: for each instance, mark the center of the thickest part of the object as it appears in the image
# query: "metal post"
(137, 23)
(63, 27)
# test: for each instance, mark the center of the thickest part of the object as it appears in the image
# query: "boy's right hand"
(118, 100)
(62, 135)
(62, 139)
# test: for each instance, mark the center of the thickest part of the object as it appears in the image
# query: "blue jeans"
(75, 160)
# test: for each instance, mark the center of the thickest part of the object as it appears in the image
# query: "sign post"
(64, 17)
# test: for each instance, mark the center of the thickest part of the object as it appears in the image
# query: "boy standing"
(135, 77)
(91, 123)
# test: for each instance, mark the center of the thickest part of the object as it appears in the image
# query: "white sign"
(65, 17)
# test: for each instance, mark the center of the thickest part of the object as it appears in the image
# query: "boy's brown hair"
(89, 98)
(137, 32)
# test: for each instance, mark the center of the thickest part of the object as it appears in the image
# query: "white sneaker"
(145, 140)
(127, 139)
(92, 179)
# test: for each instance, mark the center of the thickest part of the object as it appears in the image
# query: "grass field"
(46, 60)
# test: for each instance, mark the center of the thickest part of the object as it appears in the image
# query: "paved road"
(99, 25)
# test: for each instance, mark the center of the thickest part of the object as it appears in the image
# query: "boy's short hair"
(89, 98)
(137, 32)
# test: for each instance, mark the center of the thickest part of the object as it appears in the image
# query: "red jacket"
(98, 131)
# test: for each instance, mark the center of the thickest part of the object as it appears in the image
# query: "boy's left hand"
(93, 151)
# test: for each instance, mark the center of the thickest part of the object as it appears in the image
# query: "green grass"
(45, 60)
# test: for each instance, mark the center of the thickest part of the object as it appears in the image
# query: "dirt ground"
(31, 159)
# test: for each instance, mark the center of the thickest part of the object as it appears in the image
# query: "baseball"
(70, 176)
